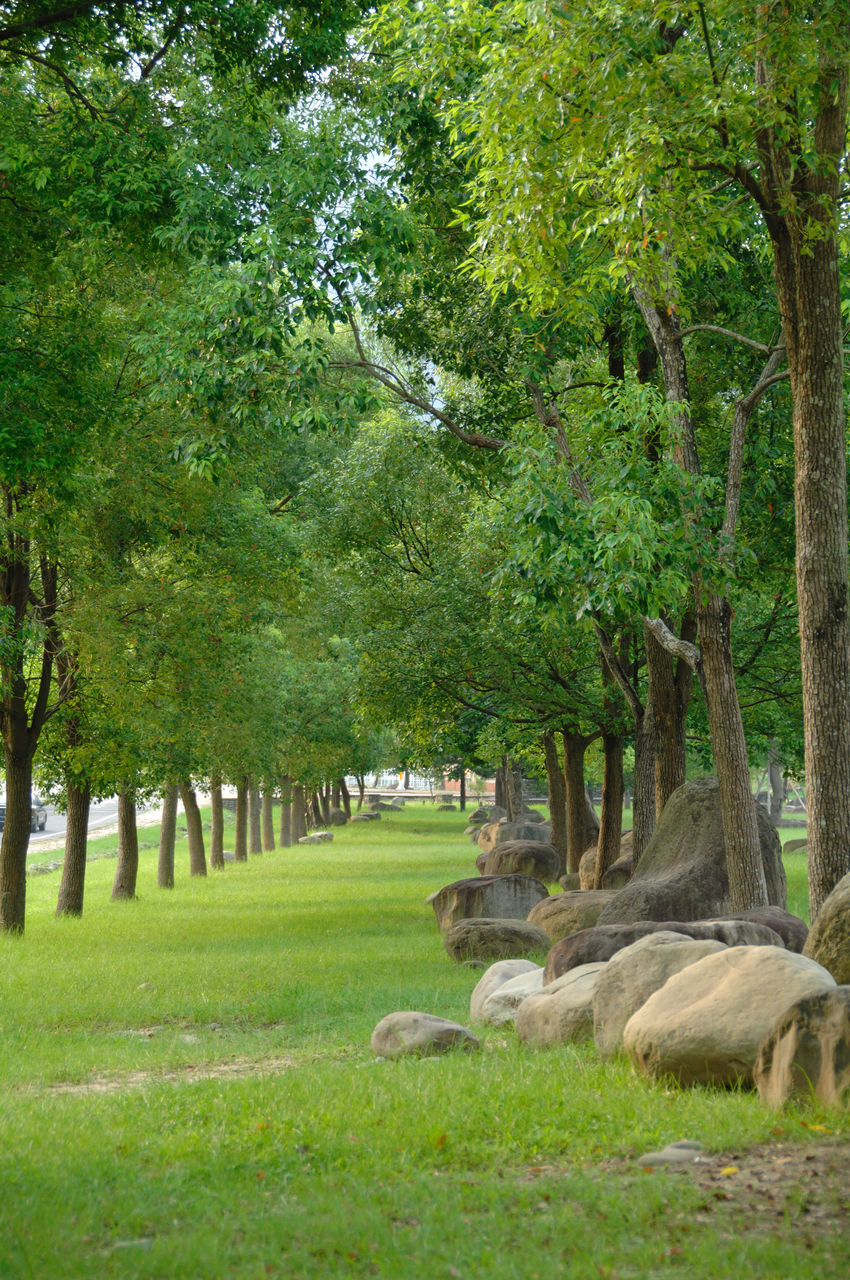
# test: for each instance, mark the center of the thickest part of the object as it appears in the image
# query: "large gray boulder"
(682, 874)
(495, 977)
(589, 946)
(492, 939)
(829, 939)
(493, 833)
(633, 974)
(806, 1053)
(564, 913)
(561, 1011)
(493, 897)
(524, 858)
(706, 1024)
(420, 1034)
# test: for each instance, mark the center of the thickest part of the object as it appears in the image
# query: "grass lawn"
(188, 1092)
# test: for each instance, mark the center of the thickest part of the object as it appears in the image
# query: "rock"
(705, 1025)
(496, 976)
(338, 818)
(317, 837)
(797, 845)
(493, 833)
(682, 874)
(531, 815)
(807, 1052)
(490, 897)
(605, 940)
(423, 1034)
(500, 1007)
(587, 868)
(447, 808)
(792, 930)
(381, 806)
(618, 874)
(829, 939)
(496, 812)
(397, 802)
(563, 1010)
(681, 1152)
(493, 939)
(523, 857)
(566, 913)
(479, 814)
(630, 977)
(570, 881)
(365, 815)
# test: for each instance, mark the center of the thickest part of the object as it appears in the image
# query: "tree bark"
(124, 884)
(500, 792)
(299, 813)
(255, 843)
(268, 821)
(575, 745)
(167, 839)
(611, 816)
(361, 791)
(194, 830)
(513, 790)
(240, 835)
(644, 802)
(216, 823)
(557, 798)
(747, 886)
(670, 683)
(71, 888)
(345, 798)
(285, 811)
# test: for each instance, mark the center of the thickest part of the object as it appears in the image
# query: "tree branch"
(726, 333)
(67, 13)
(689, 653)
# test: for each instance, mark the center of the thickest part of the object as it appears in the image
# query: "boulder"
(570, 881)
(618, 874)
(563, 1010)
(531, 815)
(317, 837)
(807, 1052)
(494, 939)
(587, 868)
(490, 897)
(604, 940)
(496, 976)
(797, 845)
(479, 815)
(829, 939)
(792, 930)
(496, 813)
(524, 858)
(365, 815)
(566, 913)
(448, 807)
(421, 1034)
(338, 818)
(682, 874)
(630, 977)
(500, 1007)
(705, 1025)
(493, 833)
(397, 802)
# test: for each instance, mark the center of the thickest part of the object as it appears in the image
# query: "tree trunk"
(361, 791)
(167, 838)
(336, 797)
(325, 804)
(70, 900)
(15, 842)
(255, 844)
(611, 816)
(670, 683)
(345, 798)
(240, 835)
(643, 805)
(285, 811)
(513, 791)
(267, 808)
(500, 796)
(575, 745)
(462, 796)
(216, 823)
(194, 830)
(299, 813)
(747, 886)
(314, 812)
(777, 783)
(124, 884)
(557, 798)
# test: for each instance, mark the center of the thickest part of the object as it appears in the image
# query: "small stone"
(682, 1152)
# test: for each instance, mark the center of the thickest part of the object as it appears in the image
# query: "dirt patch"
(112, 1083)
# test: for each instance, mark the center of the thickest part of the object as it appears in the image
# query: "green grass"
(334, 1163)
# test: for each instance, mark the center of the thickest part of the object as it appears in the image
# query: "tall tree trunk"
(285, 811)
(643, 804)
(70, 900)
(325, 804)
(557, 798)
(462, 787)
(240, 835)
(513, 791)
(500, 796)
(167, 839)
(216, 823)
(345, 797)
(194, 830)
(747, 886)
(361, 791)
(670, 684)
(268, 821)
(575, 745)
(124, 884)
(255, 842)
(299, 813)
(801, 215)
